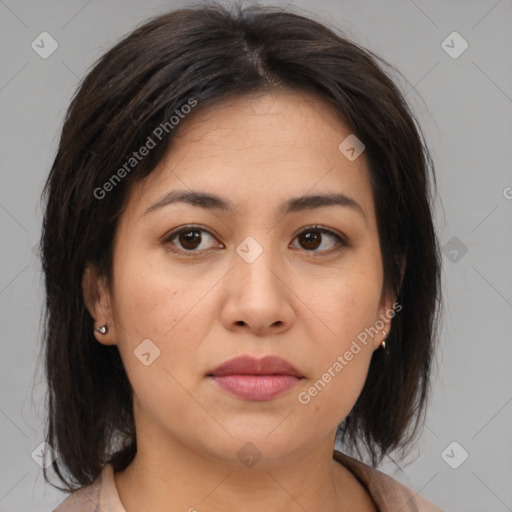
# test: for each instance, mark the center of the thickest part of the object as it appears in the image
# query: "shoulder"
(389, 494)
(100, 496)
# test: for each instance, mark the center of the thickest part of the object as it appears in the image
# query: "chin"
(250, 445)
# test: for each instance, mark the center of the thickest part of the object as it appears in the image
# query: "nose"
(258, 297)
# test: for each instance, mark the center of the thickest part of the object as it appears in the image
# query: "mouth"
(256, 379)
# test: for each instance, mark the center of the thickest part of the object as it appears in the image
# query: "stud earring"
(103, 329)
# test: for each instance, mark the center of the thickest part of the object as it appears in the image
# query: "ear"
(383, 321)
(97, 300)
(387, 311)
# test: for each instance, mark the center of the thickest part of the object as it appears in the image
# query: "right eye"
(190, 239)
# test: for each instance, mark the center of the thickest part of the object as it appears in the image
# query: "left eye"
(310, 239)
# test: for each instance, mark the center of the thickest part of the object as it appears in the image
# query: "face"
(196, 285)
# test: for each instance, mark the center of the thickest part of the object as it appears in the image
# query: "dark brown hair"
(208, 54)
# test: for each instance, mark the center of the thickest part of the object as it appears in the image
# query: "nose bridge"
(256, 265)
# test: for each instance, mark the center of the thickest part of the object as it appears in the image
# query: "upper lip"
(248, 365)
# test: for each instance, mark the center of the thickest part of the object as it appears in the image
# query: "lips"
(256, 379)
(247, 365)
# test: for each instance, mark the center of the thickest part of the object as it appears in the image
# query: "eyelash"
(341, 241)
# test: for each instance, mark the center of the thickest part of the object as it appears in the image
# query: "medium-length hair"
(207, 54)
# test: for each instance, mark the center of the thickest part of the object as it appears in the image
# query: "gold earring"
(383, 344)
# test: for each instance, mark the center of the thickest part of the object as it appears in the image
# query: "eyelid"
(323, 229)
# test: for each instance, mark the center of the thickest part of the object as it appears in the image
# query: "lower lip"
(256, 387)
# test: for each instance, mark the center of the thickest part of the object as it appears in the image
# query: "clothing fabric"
(388, 494)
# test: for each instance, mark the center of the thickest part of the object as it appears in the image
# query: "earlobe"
(388, 309)
(386, 314)
(97, 300)
(391, 308)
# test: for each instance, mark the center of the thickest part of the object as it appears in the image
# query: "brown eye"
(313, 238)
(310, 239)
(191, 240)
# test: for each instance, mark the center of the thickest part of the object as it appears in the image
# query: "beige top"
(388, 494)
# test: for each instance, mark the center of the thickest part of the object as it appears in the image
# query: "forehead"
(259, 151)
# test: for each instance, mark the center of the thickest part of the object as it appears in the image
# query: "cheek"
(165, 305)
(157, 306)
(150, 297)
(341, 368)
(347, 307)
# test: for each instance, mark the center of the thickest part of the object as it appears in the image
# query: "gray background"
(464, 105)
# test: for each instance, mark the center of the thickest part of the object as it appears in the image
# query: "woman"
(241, 267)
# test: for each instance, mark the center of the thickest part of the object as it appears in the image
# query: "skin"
(294, 301)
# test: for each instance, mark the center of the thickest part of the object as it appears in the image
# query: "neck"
(176, 478)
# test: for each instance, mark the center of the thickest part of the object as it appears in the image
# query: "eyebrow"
(211, 201)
